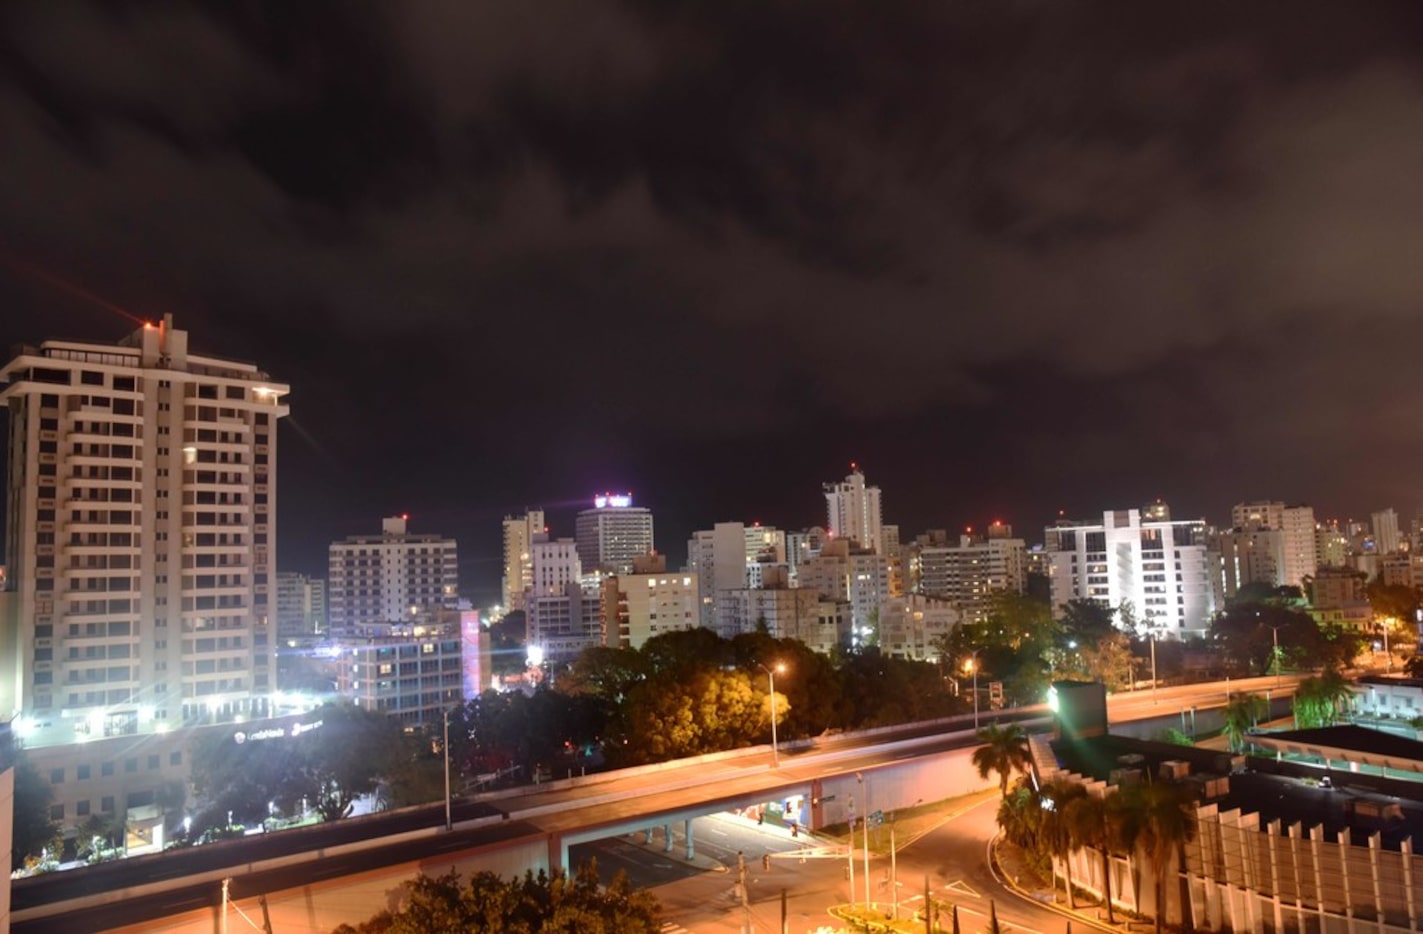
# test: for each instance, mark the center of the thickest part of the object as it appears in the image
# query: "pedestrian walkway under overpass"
(828, 800)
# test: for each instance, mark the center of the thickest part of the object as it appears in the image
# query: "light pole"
(865, 820)
(771, 674)
(448, 822)
(1275, 652)
(972, 666)
(1153, 664)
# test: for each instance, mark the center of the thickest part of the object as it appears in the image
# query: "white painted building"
(140, 537)
(301, 605)
(969, 573)
(613, 533)
(1387, 538)
(1160, 567)
(912, 626)
(822, 623)
(856, 575)
(853, 511)
(1293, 551)
(638, 606)
(140, 543)
(519, 532)
(394, 577)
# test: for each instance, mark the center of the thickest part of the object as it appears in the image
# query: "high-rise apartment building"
(1387, 539)
(853, 511)
(858, 575)
(393, 577)
(613, 533)
(301, 605)
(1331, 545)
(140, 537)
(968, 573)
(1294, 551)
(1160, 567)
(822, 623)
(519, 532)
(649, 602)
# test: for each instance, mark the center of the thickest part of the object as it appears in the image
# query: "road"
(601, 800)
(949, 852)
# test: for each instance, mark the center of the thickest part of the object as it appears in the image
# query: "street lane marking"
(963, 888)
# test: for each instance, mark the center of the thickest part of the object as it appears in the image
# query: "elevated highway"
(316, 877)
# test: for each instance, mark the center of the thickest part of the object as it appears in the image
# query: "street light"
(771, 674)
(972, 666)
(1275, 651)
(448, 823)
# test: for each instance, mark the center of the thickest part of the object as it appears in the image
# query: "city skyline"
(1015, 263)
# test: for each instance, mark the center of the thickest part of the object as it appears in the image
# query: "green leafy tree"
(1414, 666)
(606, 672)
(33, 831)
(1005, 751)
(1173, 736)
(1055, 835)
(1241, 714)
(329, 766)
(1086, 621)
(535, 904)
(1158, 818)
(1246, 632)
(1322, 700)
(702, 711)
(1091, 824)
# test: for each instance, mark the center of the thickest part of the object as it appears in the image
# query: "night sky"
(1011, 257)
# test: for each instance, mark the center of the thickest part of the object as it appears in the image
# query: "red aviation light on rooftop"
(405, 516)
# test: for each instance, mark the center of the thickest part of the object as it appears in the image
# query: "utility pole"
(448, 823)
(222, 921)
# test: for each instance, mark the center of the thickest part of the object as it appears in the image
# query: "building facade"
(636, 607)
(301, 605)
(140, 537)
(1159, 567)
(914, 626)
(968, 573)
(853, 511)
(394, 577)
(822, 623)
(613, 533)
(519, 532)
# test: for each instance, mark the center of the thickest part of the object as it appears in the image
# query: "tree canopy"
(535, 904)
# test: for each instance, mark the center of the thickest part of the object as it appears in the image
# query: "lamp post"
(775, 748)
(448, 822)
(972, 666)
(1275, 652)
(1153, 664)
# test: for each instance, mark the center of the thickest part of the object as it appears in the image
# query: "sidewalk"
(1006, 863)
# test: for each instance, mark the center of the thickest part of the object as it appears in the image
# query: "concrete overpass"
(312, 884)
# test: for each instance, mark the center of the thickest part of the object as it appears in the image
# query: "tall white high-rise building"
(969, 573)
(853, 511)
(519, 532)
(1386, 536)
(854, 574)
(1160, 567)
(394, 577)
(613, 533)
(140, 537)
(301, 605)
(1293, 551)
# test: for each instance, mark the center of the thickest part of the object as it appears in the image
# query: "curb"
(996, 869)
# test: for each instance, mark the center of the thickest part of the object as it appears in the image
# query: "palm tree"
(1005, 751)
(1159, 818)
(1241, 714)
(1090, 824)
(1056, 797)
(1322, 700)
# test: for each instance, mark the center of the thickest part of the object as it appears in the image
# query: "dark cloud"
(1015, 257)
